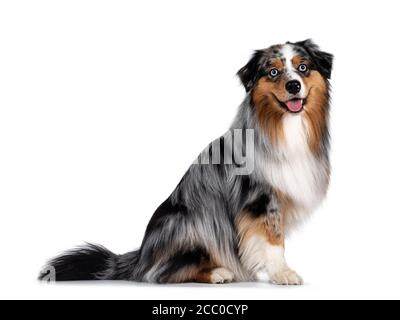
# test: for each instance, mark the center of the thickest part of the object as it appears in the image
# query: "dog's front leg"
(277, 268)
(261, 244)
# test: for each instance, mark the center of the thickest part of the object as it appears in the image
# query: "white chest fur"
(294, 170)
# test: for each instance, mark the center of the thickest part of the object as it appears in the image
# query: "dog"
(222, 224)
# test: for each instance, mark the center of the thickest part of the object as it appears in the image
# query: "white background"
(104, 105)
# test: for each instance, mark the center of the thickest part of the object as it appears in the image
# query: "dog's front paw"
(286, 277)
(221, 275)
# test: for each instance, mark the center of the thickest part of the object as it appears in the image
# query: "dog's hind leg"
(193, 274)
(192, 266)
(216, 276)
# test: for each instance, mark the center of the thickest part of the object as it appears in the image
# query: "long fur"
(210, 220)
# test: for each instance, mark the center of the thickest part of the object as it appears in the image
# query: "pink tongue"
(294, 105)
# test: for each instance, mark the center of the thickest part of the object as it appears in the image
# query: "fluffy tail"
(90, 262)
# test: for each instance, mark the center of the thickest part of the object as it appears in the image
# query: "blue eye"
(274, 72)
(303, 67)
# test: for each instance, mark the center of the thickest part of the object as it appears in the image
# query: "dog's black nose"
(293, 86)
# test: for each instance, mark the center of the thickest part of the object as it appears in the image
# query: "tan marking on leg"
(269, 226)
(215, 275)
(254, 234)
(261, 244)
(203, 276)
(186, 274)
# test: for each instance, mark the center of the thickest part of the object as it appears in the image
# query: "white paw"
(221, 275)
(286, 277)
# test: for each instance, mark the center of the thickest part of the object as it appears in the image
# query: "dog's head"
(290, 80)
(287, 74)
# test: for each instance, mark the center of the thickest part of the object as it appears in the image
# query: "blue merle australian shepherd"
(222, 223)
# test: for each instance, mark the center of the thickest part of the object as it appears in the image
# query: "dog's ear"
(249, 73)
(322, 60)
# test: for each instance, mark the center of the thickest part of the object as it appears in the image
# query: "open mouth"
(294, 105)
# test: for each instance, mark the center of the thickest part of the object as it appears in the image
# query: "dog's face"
(288, 80)
(286, 75)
